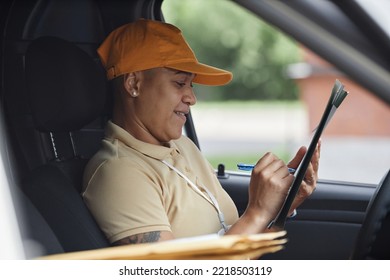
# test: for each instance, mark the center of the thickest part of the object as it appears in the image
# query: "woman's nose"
(190, 97)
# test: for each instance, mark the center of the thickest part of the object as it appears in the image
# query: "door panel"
(327, 223)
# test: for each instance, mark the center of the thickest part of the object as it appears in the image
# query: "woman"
(150, 183)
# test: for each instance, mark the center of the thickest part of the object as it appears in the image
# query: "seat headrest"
(67, 88)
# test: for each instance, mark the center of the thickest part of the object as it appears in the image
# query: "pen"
(249, 167)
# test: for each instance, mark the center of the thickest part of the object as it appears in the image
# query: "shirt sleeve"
(126, 199)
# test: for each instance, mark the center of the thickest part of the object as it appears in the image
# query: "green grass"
(249, 104)
(230, 161)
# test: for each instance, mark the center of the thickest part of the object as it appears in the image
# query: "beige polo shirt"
(129, 190)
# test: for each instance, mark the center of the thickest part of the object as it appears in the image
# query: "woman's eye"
(180, 84)
(183, 84)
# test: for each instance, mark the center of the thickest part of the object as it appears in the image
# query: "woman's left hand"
(310, 181)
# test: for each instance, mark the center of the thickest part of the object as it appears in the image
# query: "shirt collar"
(114, 131)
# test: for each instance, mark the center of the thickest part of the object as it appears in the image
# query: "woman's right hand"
(269, 185)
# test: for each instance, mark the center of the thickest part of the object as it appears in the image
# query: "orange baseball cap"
(146, 44)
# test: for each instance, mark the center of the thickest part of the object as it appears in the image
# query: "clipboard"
(337, 96)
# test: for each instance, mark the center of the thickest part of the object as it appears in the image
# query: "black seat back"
(67, 90)
(32, 129)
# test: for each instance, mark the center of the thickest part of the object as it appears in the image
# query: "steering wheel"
(373, 240)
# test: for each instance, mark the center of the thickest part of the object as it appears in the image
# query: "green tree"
(225, 35)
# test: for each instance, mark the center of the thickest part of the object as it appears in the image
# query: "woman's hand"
(268, 188)
(310, 181)
(270, 181)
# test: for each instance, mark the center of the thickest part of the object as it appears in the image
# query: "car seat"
(67, 90)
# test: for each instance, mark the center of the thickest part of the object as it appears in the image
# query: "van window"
(277, 96)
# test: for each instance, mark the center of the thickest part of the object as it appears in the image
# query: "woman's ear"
(130, 84)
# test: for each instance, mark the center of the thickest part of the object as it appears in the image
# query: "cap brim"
(204, 74)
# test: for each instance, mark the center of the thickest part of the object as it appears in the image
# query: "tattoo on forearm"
(147, 237)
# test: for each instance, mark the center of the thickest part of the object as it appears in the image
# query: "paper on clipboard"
(337, 96)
